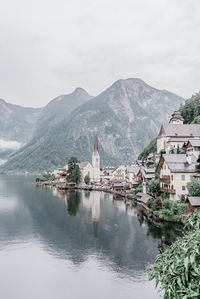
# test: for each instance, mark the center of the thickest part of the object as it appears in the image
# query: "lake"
(76, 245)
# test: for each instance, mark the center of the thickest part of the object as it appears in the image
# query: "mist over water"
(76, 245)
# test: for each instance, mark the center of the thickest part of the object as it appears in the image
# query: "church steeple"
(96, 145)
(96, 161)
(176, 118)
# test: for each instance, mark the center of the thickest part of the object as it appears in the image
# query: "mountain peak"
(130, 82)
(80, 91)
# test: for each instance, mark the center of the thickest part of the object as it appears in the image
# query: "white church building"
(93, 170)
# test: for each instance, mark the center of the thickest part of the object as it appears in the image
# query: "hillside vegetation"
(190, 110)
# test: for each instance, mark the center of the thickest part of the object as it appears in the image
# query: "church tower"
(96, 161)
(176, 118)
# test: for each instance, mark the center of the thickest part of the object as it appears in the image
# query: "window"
(191, 177)
(172, 177)
(183, 188)
(183, 177)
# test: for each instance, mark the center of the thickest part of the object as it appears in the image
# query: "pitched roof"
(83, 164)
(175, 139)
(96, 144)
(194, 200)
(133, 169)
(182, 130)
(195, 142)
(143, 197)
(179, 163)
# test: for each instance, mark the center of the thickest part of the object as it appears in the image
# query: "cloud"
(50, 47)
(9, 145)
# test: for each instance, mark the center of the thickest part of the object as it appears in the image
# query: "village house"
(176, 170)
(193, 146)
(193, 203)
(106, 175)
(145, 174)
(131, 173)
(119, 174)
(174, 135)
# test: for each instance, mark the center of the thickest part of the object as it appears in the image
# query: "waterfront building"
(92, 170)
(119, 174)
(176, 170)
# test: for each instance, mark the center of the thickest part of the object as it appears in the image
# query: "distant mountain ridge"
(125, 116)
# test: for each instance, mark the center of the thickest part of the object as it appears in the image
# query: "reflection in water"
(73, 202)
(80, 236)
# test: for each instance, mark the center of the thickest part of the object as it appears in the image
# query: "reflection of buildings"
(91, 201)
(119, 204)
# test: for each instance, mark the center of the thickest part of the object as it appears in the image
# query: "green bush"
(150, 203)
(177, 270)
(194, 187)
(167, 204)
(138, 189)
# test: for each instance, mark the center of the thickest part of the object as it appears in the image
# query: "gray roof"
(119, 184)
(143, 197)
(195, 201)
(179, 163)
(176, 139)
(133, 169)
(182, 130)
(83, 164)
(195, 142)
(148, 173)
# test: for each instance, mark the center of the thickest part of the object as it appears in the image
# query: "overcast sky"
(50, 47)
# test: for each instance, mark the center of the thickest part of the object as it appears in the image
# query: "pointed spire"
(96, 144)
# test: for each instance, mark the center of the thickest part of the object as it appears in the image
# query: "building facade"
(174, 135)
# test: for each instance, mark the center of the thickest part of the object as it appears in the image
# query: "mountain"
(125, 116)
(58, 109)
(16, 122)
(20, 125)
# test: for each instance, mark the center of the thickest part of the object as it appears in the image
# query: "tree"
(151, 148)
(74, 172)
(87, 179)
(178, 151)
(157, 203)
(194, 187)
(177, 270)
(154, 188)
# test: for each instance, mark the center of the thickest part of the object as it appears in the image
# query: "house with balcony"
(176, 170)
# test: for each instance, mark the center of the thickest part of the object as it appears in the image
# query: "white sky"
(50, 47)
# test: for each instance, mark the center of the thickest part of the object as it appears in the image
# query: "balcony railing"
(165, 179)
(168, 190)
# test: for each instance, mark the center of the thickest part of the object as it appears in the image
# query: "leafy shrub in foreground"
(177, 270)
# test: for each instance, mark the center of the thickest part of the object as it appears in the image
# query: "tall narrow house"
(96, 161)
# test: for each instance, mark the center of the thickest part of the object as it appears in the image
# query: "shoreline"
(149, 213)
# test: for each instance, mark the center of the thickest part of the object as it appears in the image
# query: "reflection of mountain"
(121, 242)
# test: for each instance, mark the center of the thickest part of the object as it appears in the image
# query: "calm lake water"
(77, 245)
